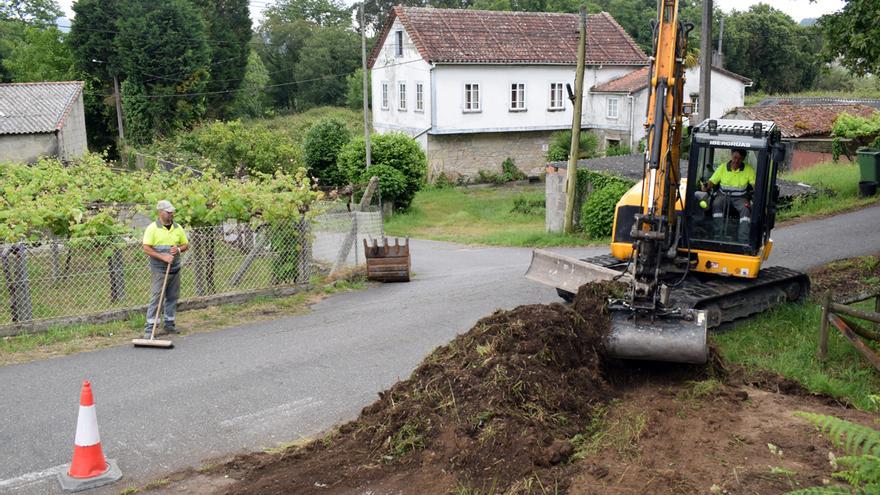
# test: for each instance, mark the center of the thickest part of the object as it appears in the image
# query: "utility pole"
(365, 84)
(577, 101)
(706, 62)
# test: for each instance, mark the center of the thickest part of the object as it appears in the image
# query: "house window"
(517, 97)
(401, 97)
(613, 111)
(398, 43)
(471, 97)
(556, 102)
(420, 97)
(384, 96)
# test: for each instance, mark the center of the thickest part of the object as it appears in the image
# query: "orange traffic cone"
(89, 468)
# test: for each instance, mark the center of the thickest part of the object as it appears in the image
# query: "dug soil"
(847, 277)
(524, 402)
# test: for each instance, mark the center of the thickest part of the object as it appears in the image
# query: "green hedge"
(597, 211)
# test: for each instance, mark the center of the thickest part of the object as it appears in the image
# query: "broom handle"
(161, 299)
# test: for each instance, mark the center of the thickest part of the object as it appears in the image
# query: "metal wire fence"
(66, 278)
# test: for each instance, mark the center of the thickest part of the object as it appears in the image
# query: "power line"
(237, 90)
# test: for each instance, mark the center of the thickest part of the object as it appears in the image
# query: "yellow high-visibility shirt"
(734, 180)
(159, 235)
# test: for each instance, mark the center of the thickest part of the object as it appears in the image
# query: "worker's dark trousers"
(172, 293)
(719, 208)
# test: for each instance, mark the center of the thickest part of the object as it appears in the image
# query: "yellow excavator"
(691, 255)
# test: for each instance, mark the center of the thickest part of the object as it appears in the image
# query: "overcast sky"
(798, 9)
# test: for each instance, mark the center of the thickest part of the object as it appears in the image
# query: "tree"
(354, 95)
(324, 13)
(853, 34)
(229, 30)
(333, 54)
(251, 99)
(40, 55)
(767, 46)
(93, 48)
(163, 53)
(41, 12)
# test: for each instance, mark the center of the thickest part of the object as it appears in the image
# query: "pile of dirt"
(494, 410)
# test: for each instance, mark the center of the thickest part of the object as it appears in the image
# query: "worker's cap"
(165, 205)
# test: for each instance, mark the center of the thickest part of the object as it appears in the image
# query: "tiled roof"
(492, 37)
(632, 82)
(34, 108)
(803, 120)
(819, 100)
(637, 80)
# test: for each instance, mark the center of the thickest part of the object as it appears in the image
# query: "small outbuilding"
(42, 119)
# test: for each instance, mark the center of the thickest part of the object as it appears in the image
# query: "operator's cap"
(165, 205)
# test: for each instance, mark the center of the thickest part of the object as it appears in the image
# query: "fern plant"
(860, 467)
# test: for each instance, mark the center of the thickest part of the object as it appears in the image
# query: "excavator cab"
(728, 229)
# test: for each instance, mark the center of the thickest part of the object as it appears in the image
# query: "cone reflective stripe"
(88, 457)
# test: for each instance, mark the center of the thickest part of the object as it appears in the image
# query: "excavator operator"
(736, 180)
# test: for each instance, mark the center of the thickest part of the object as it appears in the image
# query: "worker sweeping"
(164, 240)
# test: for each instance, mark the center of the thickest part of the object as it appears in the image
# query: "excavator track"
(727, 299)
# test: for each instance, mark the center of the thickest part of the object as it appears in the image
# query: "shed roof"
(493, 37)
(637, 80)
(797, 121)
(36, 108)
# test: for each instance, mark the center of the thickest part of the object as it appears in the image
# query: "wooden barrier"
(835, 314)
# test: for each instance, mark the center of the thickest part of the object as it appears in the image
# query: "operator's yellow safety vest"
(157, 234)
(734, 182)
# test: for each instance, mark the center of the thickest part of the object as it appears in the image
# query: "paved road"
(260, 385)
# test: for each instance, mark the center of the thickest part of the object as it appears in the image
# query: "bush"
(509, 172)
(618, 150)
(597, 213)
(395, 150)
(442, 181)
(238, 150)
(320, 148)
(560, 144)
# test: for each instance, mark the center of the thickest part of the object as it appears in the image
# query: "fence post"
(16, 272)
(823, 330)
(116, 269)
(56, 261)
(305, 250)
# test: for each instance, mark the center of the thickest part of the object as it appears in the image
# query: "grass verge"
(784, 340)
(498, 216)
(840, 185)
(71, 339)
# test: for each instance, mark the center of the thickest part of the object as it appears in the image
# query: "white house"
(617, 107)
(42, 119)
(475, 87)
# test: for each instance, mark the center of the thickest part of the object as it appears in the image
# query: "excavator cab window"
(721, 217)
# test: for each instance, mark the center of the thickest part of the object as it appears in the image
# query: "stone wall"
(465, 155)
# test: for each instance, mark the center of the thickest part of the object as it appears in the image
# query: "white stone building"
(475, 87)
(617, 107)
(42, 119)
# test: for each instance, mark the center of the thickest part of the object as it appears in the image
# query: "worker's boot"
(148, 333)
(169, 327)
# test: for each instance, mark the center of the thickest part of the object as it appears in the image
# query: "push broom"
(153, 341)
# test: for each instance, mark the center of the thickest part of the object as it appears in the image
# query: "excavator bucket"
(565, 273)
(681, 339)
(387, 262)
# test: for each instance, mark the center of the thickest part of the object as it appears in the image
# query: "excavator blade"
(678, 340)
(566, 273)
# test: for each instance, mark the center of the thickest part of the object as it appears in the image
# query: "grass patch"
(839, 185)
(71, 339)
(620, 432)
(491, 216)
(785, 339)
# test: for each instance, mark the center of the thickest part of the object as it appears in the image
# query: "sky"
(797, 9)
